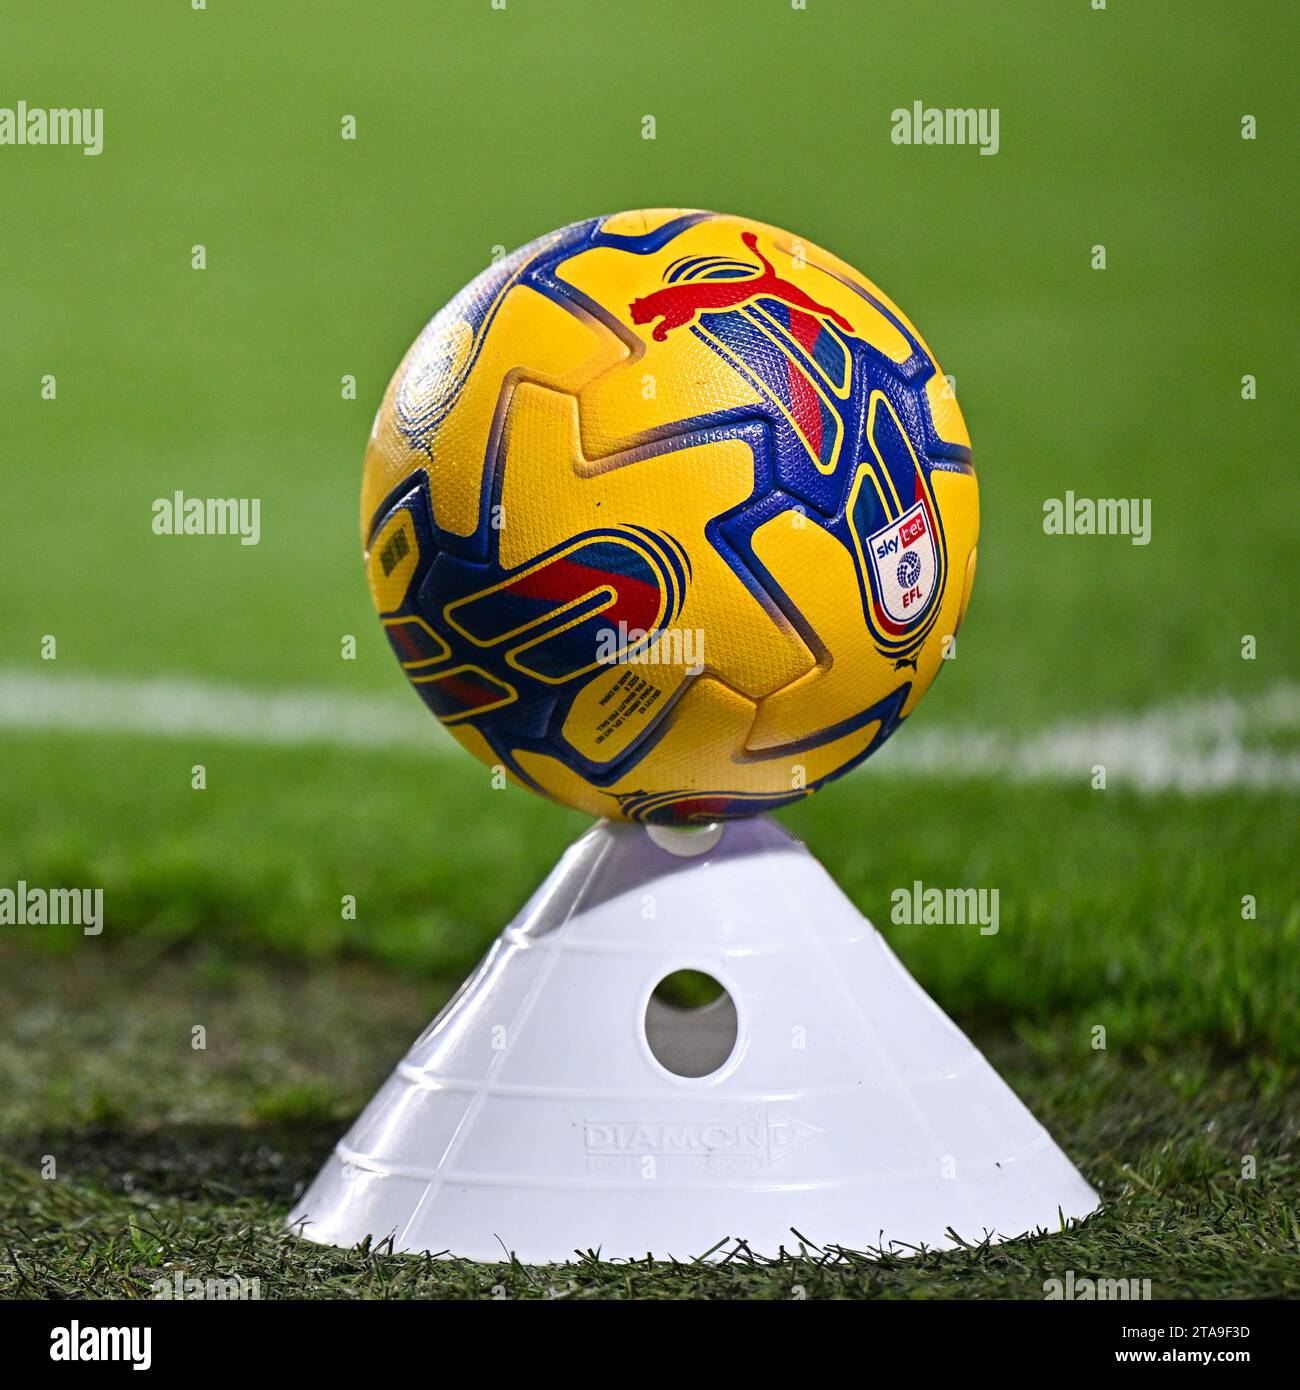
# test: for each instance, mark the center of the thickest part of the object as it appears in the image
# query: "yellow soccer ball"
(672, 515)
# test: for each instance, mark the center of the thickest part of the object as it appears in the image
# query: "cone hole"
(690, 1023)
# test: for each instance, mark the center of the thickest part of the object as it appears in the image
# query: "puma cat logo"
(677, 305)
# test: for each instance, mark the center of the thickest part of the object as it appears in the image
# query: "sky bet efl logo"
(904, 565)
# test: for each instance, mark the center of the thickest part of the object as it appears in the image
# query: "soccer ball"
(671, 515)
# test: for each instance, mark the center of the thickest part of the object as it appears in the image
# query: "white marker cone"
(533, 1117)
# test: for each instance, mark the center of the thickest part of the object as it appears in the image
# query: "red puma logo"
(677, 305)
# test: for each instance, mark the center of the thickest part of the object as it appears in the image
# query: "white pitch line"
(1192, 746)
(168, 708)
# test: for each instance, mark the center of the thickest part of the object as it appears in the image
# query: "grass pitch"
(1119, 911)
(174, 1160)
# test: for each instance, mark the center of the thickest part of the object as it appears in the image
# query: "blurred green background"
(479, 128)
